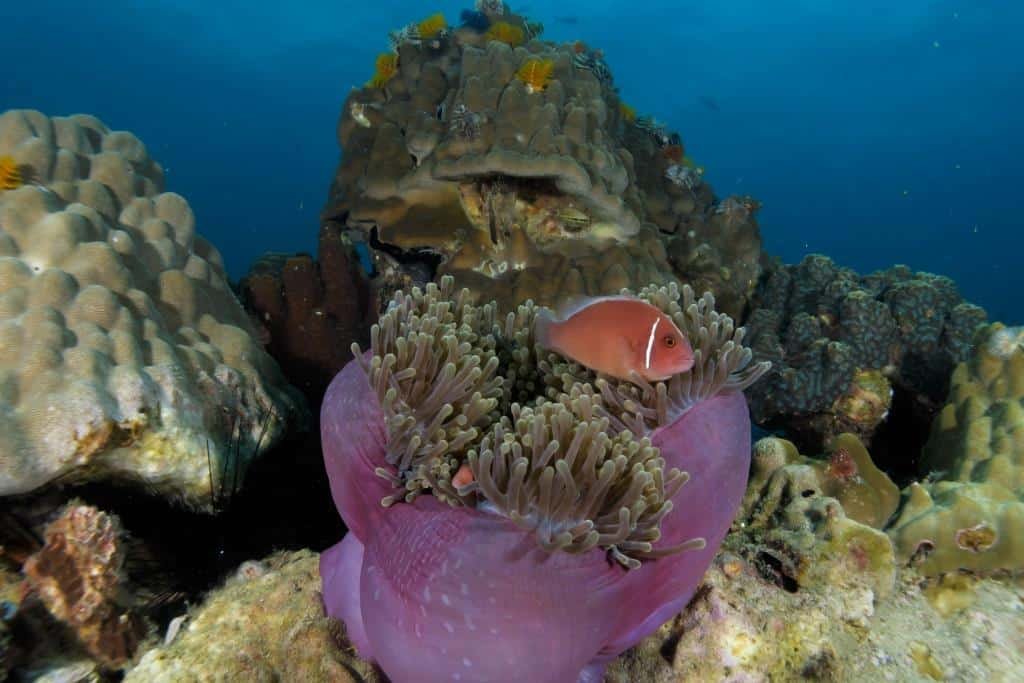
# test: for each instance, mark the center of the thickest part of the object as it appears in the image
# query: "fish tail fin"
(542, 322)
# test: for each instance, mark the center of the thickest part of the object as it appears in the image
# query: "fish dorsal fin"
(574, 305)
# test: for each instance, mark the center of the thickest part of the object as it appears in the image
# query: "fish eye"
(670, 341)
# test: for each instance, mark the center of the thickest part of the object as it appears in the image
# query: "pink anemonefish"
(616, 335)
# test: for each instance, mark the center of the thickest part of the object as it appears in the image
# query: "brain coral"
(523, 191)
(578, 534)
(973, 517)
(123, 352)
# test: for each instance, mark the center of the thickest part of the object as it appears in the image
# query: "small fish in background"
(572, 21)
(464, 476)
(617, 336)
(709, 102)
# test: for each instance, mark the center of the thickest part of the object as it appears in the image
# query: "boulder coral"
(124, 353)
(578, 508)
(512, 165)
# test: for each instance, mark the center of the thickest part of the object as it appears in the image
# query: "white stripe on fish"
(650, 344)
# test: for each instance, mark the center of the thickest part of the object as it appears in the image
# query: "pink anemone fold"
(432, 592)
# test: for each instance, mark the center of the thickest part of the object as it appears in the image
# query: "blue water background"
(875, 132)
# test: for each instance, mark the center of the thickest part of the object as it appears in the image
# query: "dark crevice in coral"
(820, 666)
(683, 623)
(897, 444)
(776, 569)
(425, 260)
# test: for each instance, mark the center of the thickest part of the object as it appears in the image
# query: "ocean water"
(874, 132)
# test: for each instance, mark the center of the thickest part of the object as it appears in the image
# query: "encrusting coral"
(867, 495)
(124, 353)
(795, 525)
(568, 509)
(970, 514)
(510, 163)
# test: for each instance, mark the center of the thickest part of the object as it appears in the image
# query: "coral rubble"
(511, 163)
(123, 352)
(740, 627)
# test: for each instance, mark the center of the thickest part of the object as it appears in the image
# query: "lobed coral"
(124, 353)
(806, 523)
(570, 510)
(971, 514)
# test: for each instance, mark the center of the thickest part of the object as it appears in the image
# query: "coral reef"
(312, 311)
(970, 514)
(740, 627)
(123, 352)
(511, 163)
(568, 509)
(839, 341)
(78, 575)
(266, 623)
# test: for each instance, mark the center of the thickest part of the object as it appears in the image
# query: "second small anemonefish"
(617, 336)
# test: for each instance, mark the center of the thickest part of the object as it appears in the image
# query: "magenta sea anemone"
(593, 509)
